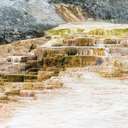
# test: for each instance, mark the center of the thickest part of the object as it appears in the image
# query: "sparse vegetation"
(64, 32)
(109, 33)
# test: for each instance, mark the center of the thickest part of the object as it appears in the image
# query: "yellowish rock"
(3, 96)
(12, 92)
(43, 75)
(53, 83)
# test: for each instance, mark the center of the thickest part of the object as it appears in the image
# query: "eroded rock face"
(71, 13)
(80, 41)
(115, 10)
(21, 19)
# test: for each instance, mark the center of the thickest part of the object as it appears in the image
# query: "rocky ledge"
(11, 91)
(35, 64)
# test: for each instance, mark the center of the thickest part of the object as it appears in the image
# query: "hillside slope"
(113, 10)
(22, 19)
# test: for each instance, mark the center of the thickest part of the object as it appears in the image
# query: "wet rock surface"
(99, 100)
(36, 67)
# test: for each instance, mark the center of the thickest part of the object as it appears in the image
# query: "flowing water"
(86, 101)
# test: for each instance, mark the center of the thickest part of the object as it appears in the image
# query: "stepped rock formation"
(34, 64)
